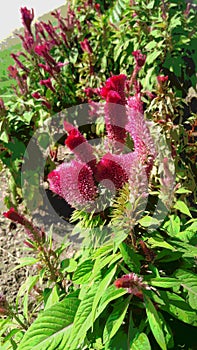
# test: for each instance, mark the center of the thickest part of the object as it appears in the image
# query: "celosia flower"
(109, 169)
(74, 182)
(162, 79)
(115, 116)
(43, 51)
(77, 143)
(19, 63)
(27, 17)
(32, 231)
(115, 83)
(90, 92)
(139, 58)
(13, 71)
(132, 283)
(36, 95)
(98, 8)
(48, 84)
(3, 111)
(85, 45)
(137, 127)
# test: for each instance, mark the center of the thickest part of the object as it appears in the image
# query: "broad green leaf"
(83, 319)
(152, 56)
(164, 282)
(83, 272)
(115, 320)
(147, 221)
(110, 294)
(131, 258)
(53, 298)
(140, 342)
(179, 308)
(101, 289)
(27, 286)
(159, 242)
(155, 323)
(183, 190)
(52, 327)
(182, 207)
(188, 281)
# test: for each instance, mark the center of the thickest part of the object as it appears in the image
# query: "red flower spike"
(132, 283)
(27, 18)
(108, 169)
(85, 45)
(139, 58)
(14, 216)
(162, 79)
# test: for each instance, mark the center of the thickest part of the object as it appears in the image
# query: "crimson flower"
(109, 169)
(132, 283)
(79, 145)
(74, 182)
(85, 45)
(139, 58)
(162, 79)
(48, 84)
(27, 17)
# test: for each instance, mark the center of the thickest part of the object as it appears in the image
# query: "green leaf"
(52, 327)
(115, 319)
(155, 323)
(188, 281)
(164, 282)
(83, 319)
(131, 258)
(183, 190)
(27, 261)
(53, 298)
(179, 308)
(110, 294)
(150, 5)
(147, 221)
(101, 288)
(140, 342)
(152, 56)
(83, 272)
(182, 207)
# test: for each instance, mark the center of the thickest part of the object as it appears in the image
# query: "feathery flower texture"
(77, 182)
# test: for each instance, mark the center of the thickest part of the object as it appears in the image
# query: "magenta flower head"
(162, 79)
(85, 45)
(139, 58)
(74, 182)
(48, 84)
(109, 169)
(36, 95)
(77, 143)
(14, 216)
(132, 283)
(116, 84)
(27, 18)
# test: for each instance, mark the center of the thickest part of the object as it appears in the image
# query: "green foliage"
(85, 301)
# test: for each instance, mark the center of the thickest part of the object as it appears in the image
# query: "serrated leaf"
(115, 320)
(83, 319)
(155, 323)
(52, 327)
(83, 272)
(182, 207)
(101, 289)
(141, 342)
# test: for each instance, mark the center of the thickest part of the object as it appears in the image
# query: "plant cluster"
(131, 284)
